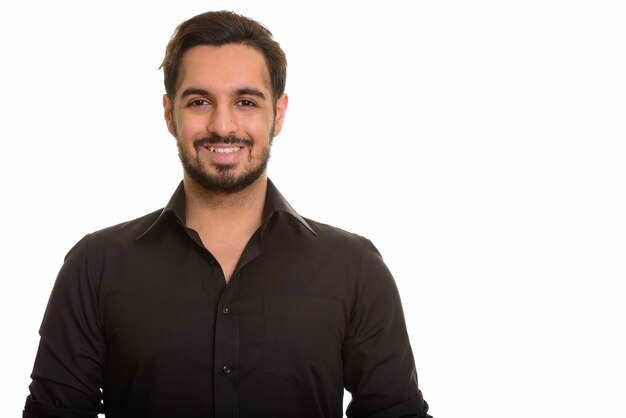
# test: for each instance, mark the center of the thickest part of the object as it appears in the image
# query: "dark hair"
(221, 28)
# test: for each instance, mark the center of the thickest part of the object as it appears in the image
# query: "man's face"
(223, 117)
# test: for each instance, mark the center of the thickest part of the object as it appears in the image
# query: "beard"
(225, 181)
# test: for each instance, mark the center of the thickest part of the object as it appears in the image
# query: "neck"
(235, 213)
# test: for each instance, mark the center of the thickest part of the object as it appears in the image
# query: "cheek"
(261, 128)
(188, 128)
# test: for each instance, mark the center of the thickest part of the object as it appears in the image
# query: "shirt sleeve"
(379, 368)
(68, 372)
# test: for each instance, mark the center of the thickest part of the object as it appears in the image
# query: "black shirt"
(141, 323)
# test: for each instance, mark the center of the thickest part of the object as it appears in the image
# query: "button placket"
(226, 349)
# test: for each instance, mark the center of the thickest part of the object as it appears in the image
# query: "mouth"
(224, 154)
(224, 150)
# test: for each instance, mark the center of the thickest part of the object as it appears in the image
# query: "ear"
(168, 114)
(281, 109)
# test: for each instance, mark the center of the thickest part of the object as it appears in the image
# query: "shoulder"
(352, 251)
(342, 239)
(85, 263)
(313, 242)
(368, 260)
(120, 236)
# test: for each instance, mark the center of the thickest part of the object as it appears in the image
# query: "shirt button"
(225, 311)
(226, 369)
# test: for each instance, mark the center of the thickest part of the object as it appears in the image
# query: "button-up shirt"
(141, 323)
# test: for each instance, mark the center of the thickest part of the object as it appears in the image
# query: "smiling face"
(223, 117)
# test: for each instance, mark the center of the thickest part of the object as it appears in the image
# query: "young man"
(226, 303)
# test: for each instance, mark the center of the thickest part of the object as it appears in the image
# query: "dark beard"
(225, 181)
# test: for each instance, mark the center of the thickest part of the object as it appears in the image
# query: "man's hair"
(222, 28)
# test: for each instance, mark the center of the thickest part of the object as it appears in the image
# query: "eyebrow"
(246, 91)
(251, 92)
(193, 90)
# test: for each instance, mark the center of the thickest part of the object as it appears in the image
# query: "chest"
(273, 313)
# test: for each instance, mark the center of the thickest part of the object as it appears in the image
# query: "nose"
(222, 121)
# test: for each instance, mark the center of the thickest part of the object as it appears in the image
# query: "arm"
(379, 369)
(68, 370)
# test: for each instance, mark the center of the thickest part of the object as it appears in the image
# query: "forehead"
(224, 67)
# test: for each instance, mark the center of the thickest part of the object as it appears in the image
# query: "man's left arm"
(379, 369)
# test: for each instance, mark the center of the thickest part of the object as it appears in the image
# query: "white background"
(479, 144)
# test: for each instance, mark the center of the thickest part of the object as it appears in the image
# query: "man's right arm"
(68, 371)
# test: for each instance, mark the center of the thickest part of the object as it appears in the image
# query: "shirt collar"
(274, 202)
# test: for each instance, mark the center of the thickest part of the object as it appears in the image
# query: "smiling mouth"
(222, 150)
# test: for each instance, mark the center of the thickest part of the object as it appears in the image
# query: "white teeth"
(224, 150)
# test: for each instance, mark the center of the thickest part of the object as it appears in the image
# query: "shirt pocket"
(303, 338)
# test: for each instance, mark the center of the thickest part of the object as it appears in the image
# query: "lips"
(224, 154)
(224, 151)
(221, 150)
(227, 144)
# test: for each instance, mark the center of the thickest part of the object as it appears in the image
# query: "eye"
(198, 102)
(246, 103)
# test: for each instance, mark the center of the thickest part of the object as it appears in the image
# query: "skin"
(224, 91)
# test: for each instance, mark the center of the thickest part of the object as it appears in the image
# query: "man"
(226, 303)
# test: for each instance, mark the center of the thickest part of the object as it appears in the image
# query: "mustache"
(216, 139)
